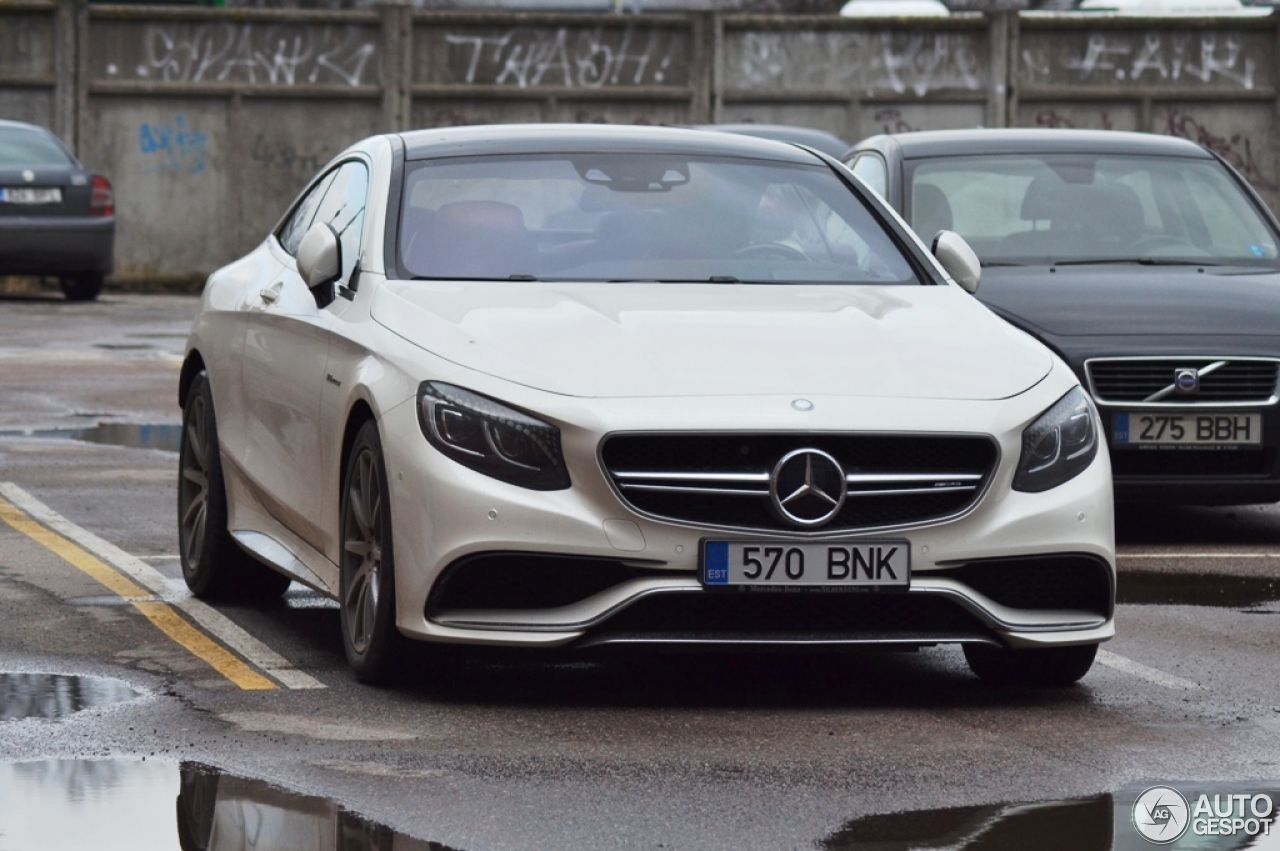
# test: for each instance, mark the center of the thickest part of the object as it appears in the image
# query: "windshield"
(1083, 208)
(21, 146)
(640, 217)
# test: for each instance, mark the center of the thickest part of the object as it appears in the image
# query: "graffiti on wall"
(576, 58)
(1050, 117)
(899, 62)
(26, 44)
(285, 156)
(1147, 58)
(172, 147)
(257, 55)
(1236, 148)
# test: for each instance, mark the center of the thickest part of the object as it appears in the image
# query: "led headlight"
(1059, 445)
(491, 438)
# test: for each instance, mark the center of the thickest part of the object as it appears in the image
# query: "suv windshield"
(1084, 208)
(640, 217)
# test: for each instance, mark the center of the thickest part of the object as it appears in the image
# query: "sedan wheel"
(1044, 666)
(367, 592)
(84, 287)
(213, 565)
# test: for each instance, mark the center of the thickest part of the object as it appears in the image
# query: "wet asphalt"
(517, 751)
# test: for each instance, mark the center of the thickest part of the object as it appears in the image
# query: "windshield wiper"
(1139, 261)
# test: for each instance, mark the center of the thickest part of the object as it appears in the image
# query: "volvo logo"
(1187, 380)
(808, 487)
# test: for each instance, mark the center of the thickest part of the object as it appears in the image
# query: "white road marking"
(1144, 672)
(209, 619)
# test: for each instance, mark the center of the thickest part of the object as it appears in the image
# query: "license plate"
(829, 564)
(28, 195)
(1130, 430)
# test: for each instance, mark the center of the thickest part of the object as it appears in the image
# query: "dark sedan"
(56, 217)
(1145, 261)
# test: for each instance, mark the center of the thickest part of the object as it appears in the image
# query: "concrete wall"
(209, 121)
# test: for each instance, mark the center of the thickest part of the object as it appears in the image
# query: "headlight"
(1059, 445)
(491, 438)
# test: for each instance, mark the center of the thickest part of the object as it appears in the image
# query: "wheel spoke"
(194, 512)
(196, 477)
(196, 435)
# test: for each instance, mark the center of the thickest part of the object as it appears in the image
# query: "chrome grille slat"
(723, 481)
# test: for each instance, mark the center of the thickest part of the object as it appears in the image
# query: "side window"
(342, 208)
(871, 170)
(295, 227)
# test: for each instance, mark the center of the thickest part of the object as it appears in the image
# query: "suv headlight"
(492, 438)
(1059, 445)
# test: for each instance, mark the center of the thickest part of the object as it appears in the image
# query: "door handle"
(271, 294)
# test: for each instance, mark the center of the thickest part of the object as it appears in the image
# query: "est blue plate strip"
(1120, 429)
(715, 563)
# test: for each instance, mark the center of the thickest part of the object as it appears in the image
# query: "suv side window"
(871, 170)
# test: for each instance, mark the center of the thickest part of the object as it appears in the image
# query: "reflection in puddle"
(1080, 825)
(130, 803)
(1188, 589)
(1198, 816)
(133, 436)
(53, 696)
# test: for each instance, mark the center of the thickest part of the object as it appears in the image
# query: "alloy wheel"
(362, 551)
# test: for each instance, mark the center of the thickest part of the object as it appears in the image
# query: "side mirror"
(956, 257)
(320, 257)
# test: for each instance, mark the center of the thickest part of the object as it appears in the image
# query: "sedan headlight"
(1059, 445)
(492, 438)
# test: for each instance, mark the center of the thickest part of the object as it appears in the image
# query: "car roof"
(24, 125)
(937, 143)
(591, 138)
(822, 140)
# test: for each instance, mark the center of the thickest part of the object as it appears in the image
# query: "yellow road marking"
(164, 616)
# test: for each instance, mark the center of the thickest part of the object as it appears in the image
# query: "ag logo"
(1161, 815)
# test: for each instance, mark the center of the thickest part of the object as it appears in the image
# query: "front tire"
(213, 565)
(367, 589)
(1040, 666)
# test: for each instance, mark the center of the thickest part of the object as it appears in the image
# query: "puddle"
(53, 696)
(1188, 815)
(130, 803)
(133, 436)
(1188, 589)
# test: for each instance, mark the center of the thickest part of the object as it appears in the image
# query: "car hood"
(642, 340)
(1131, 301)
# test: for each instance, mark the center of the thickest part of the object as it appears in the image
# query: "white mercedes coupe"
(571, 386)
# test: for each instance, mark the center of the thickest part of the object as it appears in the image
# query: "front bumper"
(447, 519)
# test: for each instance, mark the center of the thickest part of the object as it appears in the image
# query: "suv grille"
(724, 480)
(1152, 380)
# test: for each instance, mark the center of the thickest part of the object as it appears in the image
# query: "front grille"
(1151, 380)
(1039, 582)
(724, 480)
(782, 617)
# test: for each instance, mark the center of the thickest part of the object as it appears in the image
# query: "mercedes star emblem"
(808, 487)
